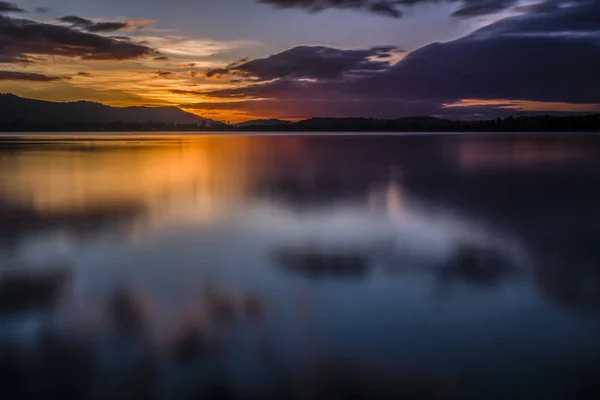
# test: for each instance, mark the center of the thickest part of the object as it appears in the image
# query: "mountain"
(39, 112)
(263, 122)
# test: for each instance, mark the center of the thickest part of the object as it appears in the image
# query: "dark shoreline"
(536, 124)
(17, 134)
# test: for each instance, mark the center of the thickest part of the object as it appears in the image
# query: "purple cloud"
(393, 8)
(28, 76)
(312, 62)
(22, 38)
(6, 7)
(91, 26)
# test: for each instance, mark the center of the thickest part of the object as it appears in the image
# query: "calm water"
(304, 267)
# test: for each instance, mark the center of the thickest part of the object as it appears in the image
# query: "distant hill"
(365, 124)
(538, 123)
(18, 114)
(263, 122)
(15, 108)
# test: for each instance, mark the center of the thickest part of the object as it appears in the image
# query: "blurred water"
(436, 266)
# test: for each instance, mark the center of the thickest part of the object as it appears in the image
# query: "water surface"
(378, 266)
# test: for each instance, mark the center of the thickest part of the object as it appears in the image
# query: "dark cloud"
(311, 62)
(386, 8)
(383, 7)
(549, 54)
(550, 17)
(219, 72)
(288, 89)
(6, 7)
(474, 8)
(161, 58)
(84, 74)
(42, 10)
(125, 38)
(393, 8)
(525, 68)
(163, 74)
(12, 59)
(21, 38)
(180, 91)
(91, 26)
(27, 76)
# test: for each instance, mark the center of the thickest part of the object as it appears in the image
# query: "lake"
(300, 266)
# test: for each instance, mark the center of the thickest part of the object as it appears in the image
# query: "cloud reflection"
(24, 291)
(189, 283)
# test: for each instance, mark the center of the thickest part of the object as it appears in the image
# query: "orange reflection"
(186, 179)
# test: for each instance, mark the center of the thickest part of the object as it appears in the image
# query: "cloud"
(91, 26)
(288, 89)
(163, 74)
(105, 26)
(388, 8)
(181, 91)
(393, 8)
(124, 38)
(555, 17)
(139, 23)
(42, 10)
(6, 7)
(526, 68)
(193, 48)
(548, 55)
(28, 76)
(475, 8)
(536, 56)
(22, 38)
(84, 74)
(311, 62)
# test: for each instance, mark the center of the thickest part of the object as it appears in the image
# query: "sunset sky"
(236, 60)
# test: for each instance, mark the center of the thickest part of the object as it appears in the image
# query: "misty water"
(300, 266)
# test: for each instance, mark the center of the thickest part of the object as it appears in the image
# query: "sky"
(236, 60)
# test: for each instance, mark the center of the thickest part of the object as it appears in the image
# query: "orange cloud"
(523, 105)
(138, 23)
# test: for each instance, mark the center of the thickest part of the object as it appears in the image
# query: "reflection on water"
(308, 267)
